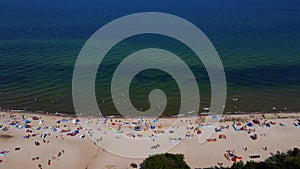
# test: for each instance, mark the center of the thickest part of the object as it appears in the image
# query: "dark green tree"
(165, 161)
(238, 165)
(289, 160)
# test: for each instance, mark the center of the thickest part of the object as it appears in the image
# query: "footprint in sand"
(110, 166)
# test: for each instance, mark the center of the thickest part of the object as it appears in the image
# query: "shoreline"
(204, 113)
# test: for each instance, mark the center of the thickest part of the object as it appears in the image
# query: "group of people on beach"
(35, 128)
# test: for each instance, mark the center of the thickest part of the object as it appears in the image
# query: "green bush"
(289, 160)
(165, 161)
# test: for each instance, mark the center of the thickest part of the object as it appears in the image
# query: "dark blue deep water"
(258, 42)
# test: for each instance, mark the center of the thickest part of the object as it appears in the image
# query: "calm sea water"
(258, 42)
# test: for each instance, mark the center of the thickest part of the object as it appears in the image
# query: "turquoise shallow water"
(258, 42)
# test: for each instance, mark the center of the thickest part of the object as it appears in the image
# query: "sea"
(258, 42)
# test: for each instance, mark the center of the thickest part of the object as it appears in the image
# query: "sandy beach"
(30, 140)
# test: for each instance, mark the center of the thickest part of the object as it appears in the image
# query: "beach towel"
(4, 153)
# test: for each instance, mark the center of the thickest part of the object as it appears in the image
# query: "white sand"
(83, 153)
